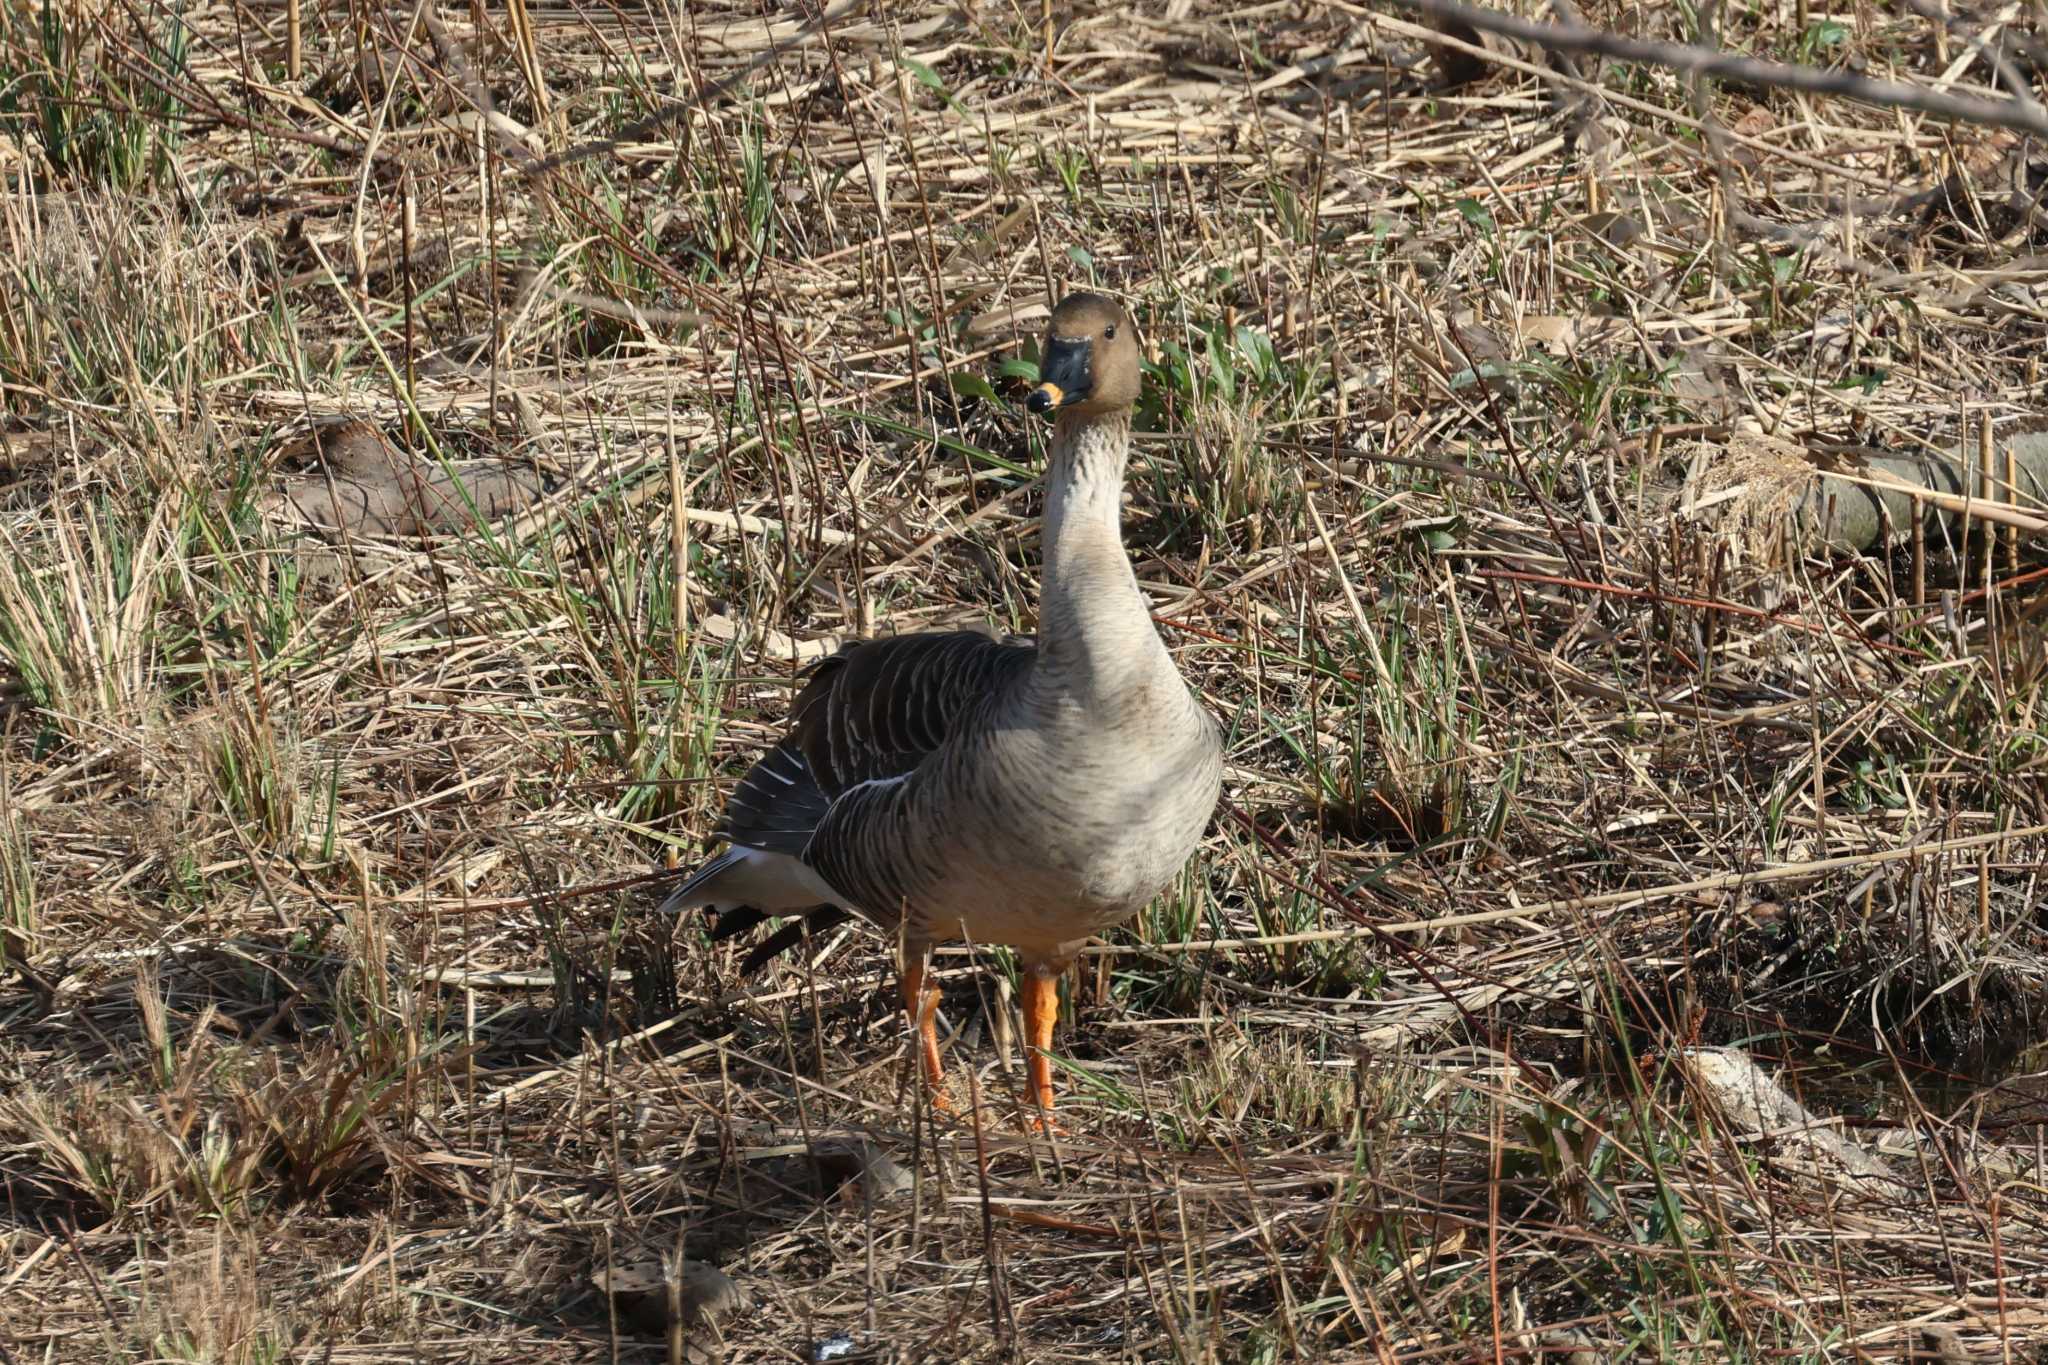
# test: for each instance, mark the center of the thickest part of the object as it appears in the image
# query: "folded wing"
(807, 822)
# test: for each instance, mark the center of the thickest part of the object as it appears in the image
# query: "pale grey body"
(965, 787)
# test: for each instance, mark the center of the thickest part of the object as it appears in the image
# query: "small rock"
(1940, 1343)
(843, 1160)
(837, 1347)
(1618, 230)
(640, 1291)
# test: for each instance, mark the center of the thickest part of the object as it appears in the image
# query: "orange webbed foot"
(921, 1003)
(1045, 1125)
(1041, 1003)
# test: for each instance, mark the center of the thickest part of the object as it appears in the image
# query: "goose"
(959, 785)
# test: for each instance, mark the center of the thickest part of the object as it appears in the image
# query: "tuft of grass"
(1401, 770)
(78, 612)
(212, 1307)
(254, 778)
(98, 102)
(19, 914)
(1231, 396)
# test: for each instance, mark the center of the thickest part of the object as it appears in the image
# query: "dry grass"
(327, 1030)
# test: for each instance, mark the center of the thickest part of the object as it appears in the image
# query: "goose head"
(1089, 365)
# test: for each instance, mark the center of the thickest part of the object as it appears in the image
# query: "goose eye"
(1109, 332)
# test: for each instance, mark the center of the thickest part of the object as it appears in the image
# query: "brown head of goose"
(957, 786)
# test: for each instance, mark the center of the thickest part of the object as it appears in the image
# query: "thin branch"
(2009, 74)
(2027, 117)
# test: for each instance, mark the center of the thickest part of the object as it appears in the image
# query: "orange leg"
(1041, 1001)
(921, 1003)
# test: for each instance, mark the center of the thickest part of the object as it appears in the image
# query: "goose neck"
(1085, 486)
(1094, 625)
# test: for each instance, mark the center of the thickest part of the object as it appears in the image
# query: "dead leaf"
(771, 643)
(1570, 335)
(1007, 317)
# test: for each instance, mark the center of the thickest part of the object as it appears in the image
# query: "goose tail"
(765, 880)
(745, 886)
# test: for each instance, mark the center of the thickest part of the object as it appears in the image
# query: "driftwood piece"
(1757, 1106)
(1778, 500)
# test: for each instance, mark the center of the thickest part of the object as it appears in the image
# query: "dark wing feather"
(867, 816)
(736, 921)
(777, 804)
(876, 708)
(872, 711)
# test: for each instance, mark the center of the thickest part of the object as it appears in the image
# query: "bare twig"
(2025, 116)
